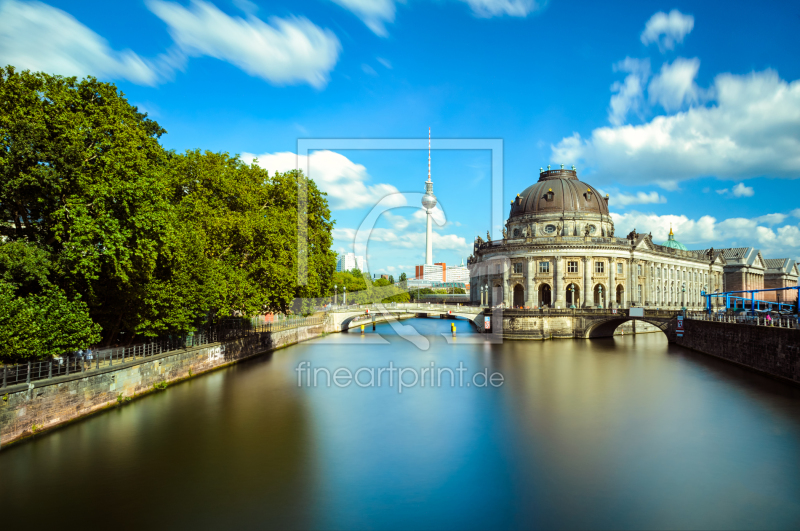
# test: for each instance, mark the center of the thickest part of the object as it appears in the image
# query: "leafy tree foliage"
(403, 277)
(43, 325)
(101, 221)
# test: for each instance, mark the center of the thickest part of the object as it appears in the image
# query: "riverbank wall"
(770, 350)
(28, 409)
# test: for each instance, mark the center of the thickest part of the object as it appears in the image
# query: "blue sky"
(686, 113)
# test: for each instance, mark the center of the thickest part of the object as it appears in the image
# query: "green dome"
(673, 243)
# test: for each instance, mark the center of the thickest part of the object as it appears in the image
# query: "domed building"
(559, 250)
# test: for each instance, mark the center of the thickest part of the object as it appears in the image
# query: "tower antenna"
(429, 154)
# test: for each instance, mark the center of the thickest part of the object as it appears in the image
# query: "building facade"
(559, 250)
(348, 261)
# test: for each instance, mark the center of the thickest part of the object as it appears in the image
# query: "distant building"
(780, 273)
(458, 273)
(436, 272)
(349, 261)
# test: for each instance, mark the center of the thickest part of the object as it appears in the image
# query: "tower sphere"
(429, 201)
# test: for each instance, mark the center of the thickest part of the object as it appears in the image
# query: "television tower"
(429, 202)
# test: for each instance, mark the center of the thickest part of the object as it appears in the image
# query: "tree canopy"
(102, 224)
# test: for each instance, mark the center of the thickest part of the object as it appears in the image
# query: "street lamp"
(486, 287)
(344, 294)
(683, 298)
(599, 296)
(335, 298)
(572, 298)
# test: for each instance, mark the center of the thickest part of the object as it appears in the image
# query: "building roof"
(781, 265)
(749, 256)
(558, 191)
(775, 263)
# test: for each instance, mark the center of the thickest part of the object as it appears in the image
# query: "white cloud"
(740, 190)
(708, 232)
(374, 13)
(385, 62)
(641, 198)
(344, 181)
(771, 219)
(42, 38)
(283, 51)
(751, 130)
(667, 29)
(513, 8)
(675, 85)
(368, 70)
(405, 240)
(630, 93)
(795, 213)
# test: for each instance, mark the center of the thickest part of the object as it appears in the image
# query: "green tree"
(417, 294)
(400, 297)
(42, 326)
(101, 218)
(391, 279)
(403, 277)
(80, 179)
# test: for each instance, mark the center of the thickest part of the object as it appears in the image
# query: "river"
(622, 433)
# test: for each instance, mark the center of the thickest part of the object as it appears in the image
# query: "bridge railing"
(584, 312)
(408, 306)
(778, 321)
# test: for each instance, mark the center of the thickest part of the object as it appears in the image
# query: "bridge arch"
(606, 327)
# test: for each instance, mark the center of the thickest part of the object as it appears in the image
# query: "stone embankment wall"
(45, 404)
(771, 350)
(521, 326)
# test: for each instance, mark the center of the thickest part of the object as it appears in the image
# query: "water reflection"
(620, 433)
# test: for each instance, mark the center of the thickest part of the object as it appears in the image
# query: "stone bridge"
(346, 318)
(570, 323)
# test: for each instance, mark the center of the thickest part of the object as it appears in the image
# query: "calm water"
(618, 433)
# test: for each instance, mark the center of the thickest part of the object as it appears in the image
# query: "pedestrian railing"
(96, 359)
(779, 321)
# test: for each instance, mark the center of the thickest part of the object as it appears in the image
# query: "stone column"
(632, 280)
(588, 291)
(531, 299)
(504, 287)
(612, 289)
(558, 282)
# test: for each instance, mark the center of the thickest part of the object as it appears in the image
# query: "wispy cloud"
(512, 8)
(374, 13)
(740, 190)
(667, 29)
(640, 198)
(40, 37)
(284, 51)
(37, 36)
(675, 85)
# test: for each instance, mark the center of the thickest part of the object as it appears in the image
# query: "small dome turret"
(672, 242)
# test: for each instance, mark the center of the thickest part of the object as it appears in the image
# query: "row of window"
(599, 267)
